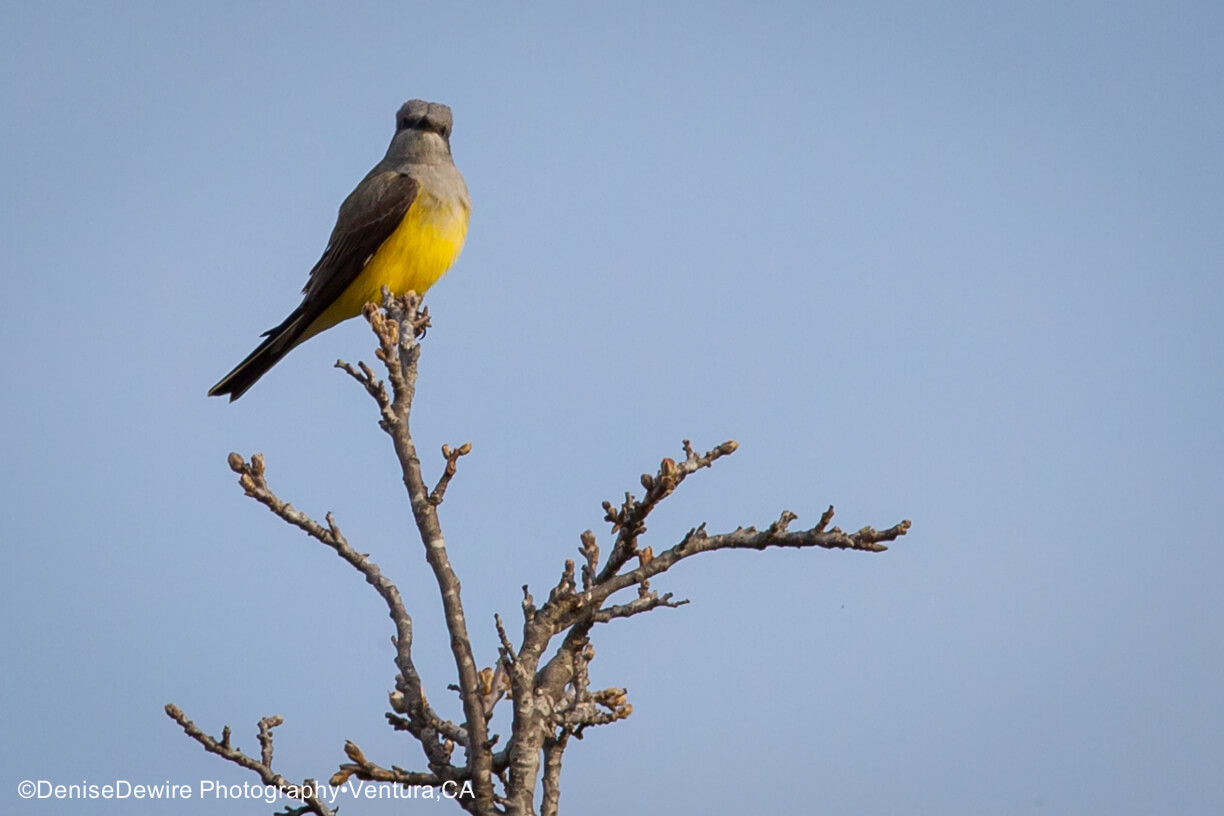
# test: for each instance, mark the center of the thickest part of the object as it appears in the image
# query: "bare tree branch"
(554, 747)
(452, 465)
(306, 792)
(562, 680)
(698, 541)
(590, 553)
(637, 606)
(363, 768)
(430, 729)
(375, 387)
(630, 518)
(507, 648)
(397, 326)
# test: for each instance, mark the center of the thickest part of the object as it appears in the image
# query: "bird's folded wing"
(367, 218)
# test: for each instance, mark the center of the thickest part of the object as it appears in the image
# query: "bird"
(402, 227)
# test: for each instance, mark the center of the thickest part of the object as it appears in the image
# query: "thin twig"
(452, 465)
(363, 768)
(306, 792)
(630, 519)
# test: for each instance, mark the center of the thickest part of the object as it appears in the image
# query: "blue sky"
(959, 263)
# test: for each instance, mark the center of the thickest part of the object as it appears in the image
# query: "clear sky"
(959, 263)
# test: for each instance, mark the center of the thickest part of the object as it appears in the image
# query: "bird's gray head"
(422, 133)
(427, 116)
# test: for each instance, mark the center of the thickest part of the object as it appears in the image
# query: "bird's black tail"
(279, 342)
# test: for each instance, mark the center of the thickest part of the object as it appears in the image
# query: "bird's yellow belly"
(421, 249)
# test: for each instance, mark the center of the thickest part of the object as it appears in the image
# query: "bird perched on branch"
(402, 227)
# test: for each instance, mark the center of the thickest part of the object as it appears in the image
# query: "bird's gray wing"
(367, 218)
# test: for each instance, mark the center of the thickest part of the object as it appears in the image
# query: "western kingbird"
(401, 228)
